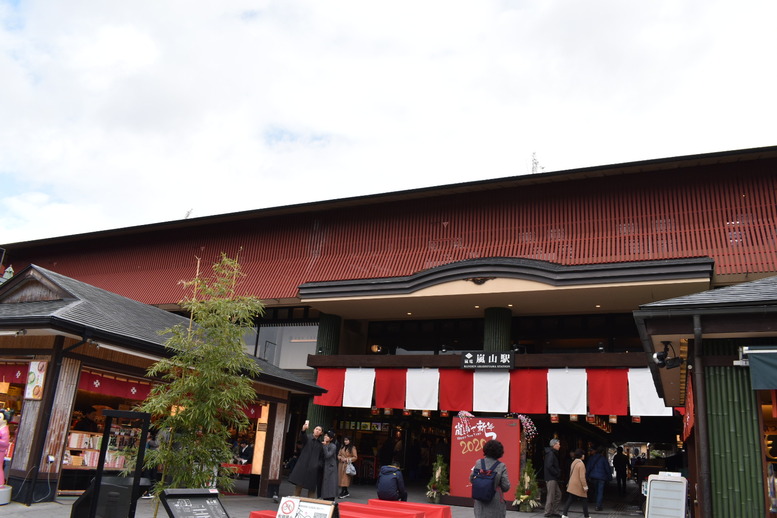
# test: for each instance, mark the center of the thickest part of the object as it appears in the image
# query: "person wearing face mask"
(306, 471)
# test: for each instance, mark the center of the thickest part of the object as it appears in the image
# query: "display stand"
(666, 495)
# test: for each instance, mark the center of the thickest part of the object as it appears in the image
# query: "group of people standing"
(596, 470)
(321, 465)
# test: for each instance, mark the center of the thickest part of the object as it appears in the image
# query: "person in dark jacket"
(599, 472)
(329, 475)
(621, 464)
(552, 476)
(391, 484)
(306, 471)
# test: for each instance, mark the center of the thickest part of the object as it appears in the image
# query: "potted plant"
(527, 492)
(438, 485)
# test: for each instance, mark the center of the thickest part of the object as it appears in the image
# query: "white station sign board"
(666, 495)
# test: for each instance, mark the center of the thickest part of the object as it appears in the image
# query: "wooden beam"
(453, 361)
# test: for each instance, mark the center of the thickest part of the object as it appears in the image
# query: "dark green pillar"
(327, 343)
(496, 329)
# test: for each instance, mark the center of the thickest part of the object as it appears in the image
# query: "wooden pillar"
(43, 429)
(497, 328)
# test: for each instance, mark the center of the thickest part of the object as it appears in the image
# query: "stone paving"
(239, 506)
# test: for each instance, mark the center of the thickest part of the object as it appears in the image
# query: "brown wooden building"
(551, 265)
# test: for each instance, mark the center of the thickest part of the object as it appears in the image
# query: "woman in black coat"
(306, 471)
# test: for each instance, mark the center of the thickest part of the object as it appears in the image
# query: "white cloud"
(122, 113)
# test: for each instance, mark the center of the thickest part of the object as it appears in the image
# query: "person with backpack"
(489, 481)
(578, 486)
(391, 483)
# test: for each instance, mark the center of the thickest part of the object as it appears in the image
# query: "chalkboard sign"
(193, 503)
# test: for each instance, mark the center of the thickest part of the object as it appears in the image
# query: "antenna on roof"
(535, 164)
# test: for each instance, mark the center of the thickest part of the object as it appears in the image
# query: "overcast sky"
(123, 113)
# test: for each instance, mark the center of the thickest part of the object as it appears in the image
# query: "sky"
(122, 113)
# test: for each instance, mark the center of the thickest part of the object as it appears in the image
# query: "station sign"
(487, 360)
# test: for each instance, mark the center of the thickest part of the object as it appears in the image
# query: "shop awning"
(763, 367)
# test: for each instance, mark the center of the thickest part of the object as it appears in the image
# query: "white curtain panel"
(643, 397)
(491, 391)
(567, 391)
(358, 387)
(422, 389)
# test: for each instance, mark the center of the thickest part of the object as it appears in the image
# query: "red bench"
(371, 510)
(263, 514)
(429, 510)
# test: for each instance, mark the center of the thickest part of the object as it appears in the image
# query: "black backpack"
(483, 487)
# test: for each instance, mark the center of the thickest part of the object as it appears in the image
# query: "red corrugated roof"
(726, 211)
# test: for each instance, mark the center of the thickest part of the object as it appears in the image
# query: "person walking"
(621, 464)
(306, 470)
(577, 488)
(492, 451)
(552, 475)
(347, 456)
(600, 472)
(329, 475)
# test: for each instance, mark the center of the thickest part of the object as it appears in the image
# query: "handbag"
(350, 469)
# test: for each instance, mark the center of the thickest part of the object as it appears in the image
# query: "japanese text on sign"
(486, 360)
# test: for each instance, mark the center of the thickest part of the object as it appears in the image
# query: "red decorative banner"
(253, 410)
(467, 439)
(128, 389)
(14, 372)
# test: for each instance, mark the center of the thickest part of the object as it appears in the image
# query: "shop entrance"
(99, 391)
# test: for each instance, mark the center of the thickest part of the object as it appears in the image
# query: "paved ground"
(239, 506)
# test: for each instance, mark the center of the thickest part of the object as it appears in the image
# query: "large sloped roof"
(41, 298)
(762, 292)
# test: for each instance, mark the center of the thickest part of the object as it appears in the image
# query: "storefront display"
(99, 391)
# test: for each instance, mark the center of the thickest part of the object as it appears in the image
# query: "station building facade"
(548, 268)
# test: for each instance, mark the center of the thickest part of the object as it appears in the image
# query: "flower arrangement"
(438, 485)
(529, 430)
(527, 493)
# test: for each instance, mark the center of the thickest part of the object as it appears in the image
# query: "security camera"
(673, 363)
(660, 358)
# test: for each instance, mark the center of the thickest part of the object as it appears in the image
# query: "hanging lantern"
(636, 419)
(374, 410)
(443, 413)
(590, 418)
(613, 419)
(554, 418)
(388, 411)
(4, 386)
(573, 418)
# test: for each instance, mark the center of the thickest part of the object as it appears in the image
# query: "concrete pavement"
(239, 506)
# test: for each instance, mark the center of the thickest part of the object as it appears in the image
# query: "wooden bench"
(429, 510)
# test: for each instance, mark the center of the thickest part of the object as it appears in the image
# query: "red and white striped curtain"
(525, 391)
